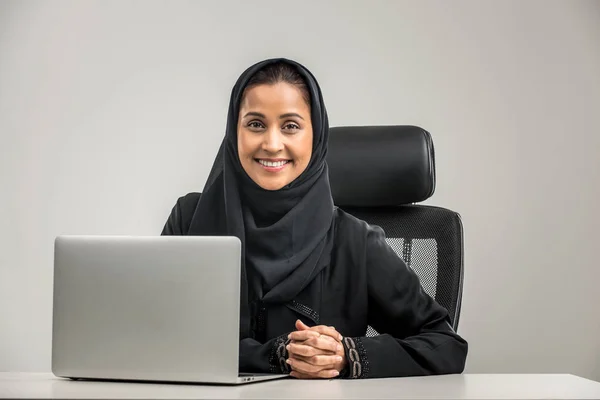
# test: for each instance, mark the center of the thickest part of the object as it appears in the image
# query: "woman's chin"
(271, 184)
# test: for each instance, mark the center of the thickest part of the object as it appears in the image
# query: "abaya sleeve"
(416, 337)
(268, 357)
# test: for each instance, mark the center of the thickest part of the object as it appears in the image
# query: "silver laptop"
(148, 308)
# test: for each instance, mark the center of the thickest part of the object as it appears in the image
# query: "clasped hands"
(315, 352)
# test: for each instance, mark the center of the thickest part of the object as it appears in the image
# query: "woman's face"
(275, 134)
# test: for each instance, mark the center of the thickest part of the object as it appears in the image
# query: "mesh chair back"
(430, 240)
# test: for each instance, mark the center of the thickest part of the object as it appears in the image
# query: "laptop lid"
(146, 308)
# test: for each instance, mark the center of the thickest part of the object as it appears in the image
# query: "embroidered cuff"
(357, 364)
(279, 355)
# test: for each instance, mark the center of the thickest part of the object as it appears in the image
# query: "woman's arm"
(416, 336)
(269, 357)
(259, 357)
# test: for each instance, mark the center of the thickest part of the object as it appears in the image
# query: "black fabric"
(430, 241)
(375, 166)
(365, 284)
(283, 256)
(336, 269)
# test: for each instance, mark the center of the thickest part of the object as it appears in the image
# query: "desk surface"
(466, 386)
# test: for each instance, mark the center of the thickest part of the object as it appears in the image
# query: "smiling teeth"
(272, 163)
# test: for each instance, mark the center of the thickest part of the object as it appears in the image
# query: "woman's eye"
(255, 125)
(291, 126)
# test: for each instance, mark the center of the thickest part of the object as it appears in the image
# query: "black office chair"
(377, 173)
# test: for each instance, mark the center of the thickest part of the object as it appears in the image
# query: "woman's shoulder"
(188, 202)
(355, 239)
(347, 221)
(181, 215)
(353, 229)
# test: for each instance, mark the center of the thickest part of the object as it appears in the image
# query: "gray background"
(111, 110)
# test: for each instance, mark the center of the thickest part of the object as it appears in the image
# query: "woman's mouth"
(272, 165)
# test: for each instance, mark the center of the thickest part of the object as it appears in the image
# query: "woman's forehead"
(281, 95)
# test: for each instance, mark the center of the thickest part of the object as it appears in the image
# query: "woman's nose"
(272, 141)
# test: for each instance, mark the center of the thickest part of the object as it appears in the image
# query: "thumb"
(301, 326)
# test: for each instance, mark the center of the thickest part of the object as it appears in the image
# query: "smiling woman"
(275, 134)
(308, 266)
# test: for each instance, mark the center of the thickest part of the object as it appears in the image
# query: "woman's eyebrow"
(282, 116)
(287, 115)
(254, 114)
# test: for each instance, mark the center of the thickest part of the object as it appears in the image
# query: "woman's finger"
(322, 360)
(322, 329)
(302, 350)
(306, 368)
(300, 375)
(323, 345)
(324, 342)
(324, 374)
(328, 373)
(317, 350)
(327, 330)
(301, 326)
(303, 335)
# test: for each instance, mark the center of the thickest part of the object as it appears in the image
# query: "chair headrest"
(376, 166)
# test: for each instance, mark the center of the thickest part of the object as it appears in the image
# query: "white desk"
(467, 386)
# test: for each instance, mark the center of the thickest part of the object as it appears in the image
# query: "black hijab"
(287, 234)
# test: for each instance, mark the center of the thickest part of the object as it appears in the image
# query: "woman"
(313, 276)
